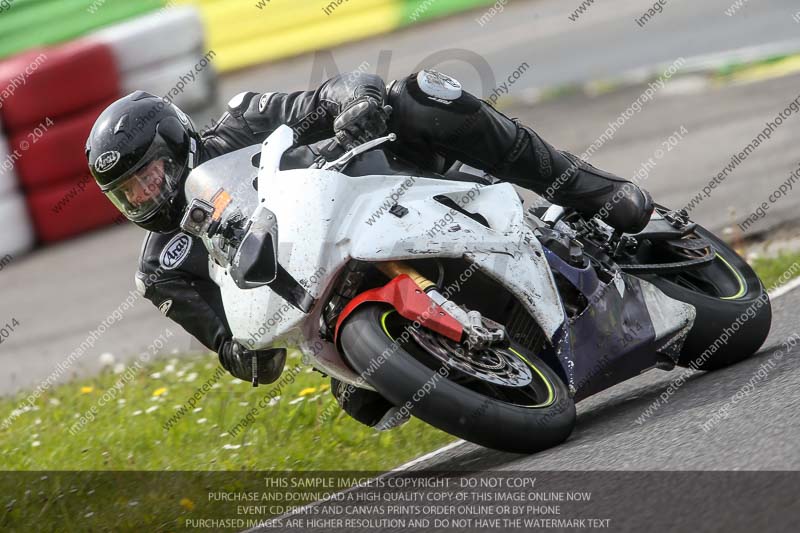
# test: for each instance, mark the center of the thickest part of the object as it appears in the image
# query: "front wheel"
(499, 397)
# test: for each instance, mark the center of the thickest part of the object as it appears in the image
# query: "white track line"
(427, 456)
(785, 288)
(400, 468)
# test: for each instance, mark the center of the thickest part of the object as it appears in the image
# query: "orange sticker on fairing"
(221, 200)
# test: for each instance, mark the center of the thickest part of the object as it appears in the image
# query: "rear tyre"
(733, 309)
(527, 419)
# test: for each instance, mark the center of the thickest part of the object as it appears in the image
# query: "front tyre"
(474, 406)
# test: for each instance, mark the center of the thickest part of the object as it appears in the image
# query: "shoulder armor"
(439, 86)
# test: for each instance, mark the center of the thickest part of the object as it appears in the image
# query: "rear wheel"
(499, 397)
(733, 309)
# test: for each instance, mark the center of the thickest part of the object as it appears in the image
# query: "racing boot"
(368, 407)
(569, 181)
(257, 366)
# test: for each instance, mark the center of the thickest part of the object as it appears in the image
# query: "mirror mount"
(255, 261)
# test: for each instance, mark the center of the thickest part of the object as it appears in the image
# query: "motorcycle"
(447, 297)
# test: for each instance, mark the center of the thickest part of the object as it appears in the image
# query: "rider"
(142, 148)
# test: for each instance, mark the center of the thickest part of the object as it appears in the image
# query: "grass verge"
(300, 426)
(128, 450)
(771, 269)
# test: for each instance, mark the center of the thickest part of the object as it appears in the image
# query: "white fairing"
(326, 218)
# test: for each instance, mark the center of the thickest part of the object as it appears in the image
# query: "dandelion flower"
(187, 504)
(307, 391)
(324, 386)
(86, 389)
(159, 391)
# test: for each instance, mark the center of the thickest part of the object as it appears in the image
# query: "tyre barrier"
(35, 23)
(17, 236)
(57, 94)
(140, 43)
(8, 174)
(50, 98)
(70, 208)
(180, 69)
(57, 154)
(58, 81)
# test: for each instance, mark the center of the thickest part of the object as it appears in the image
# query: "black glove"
(239, 362)
(361, 120)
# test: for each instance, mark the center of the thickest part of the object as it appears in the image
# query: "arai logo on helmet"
(181, 116)
(176, 251)
(106, 161)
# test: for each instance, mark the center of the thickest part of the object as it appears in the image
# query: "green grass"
(128, 432)
(106, 493)
(771, 269)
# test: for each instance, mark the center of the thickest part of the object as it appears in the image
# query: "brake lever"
(342, 161)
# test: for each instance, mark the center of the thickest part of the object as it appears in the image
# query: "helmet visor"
(142, 193)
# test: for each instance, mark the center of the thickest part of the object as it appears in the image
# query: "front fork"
(480, 331)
